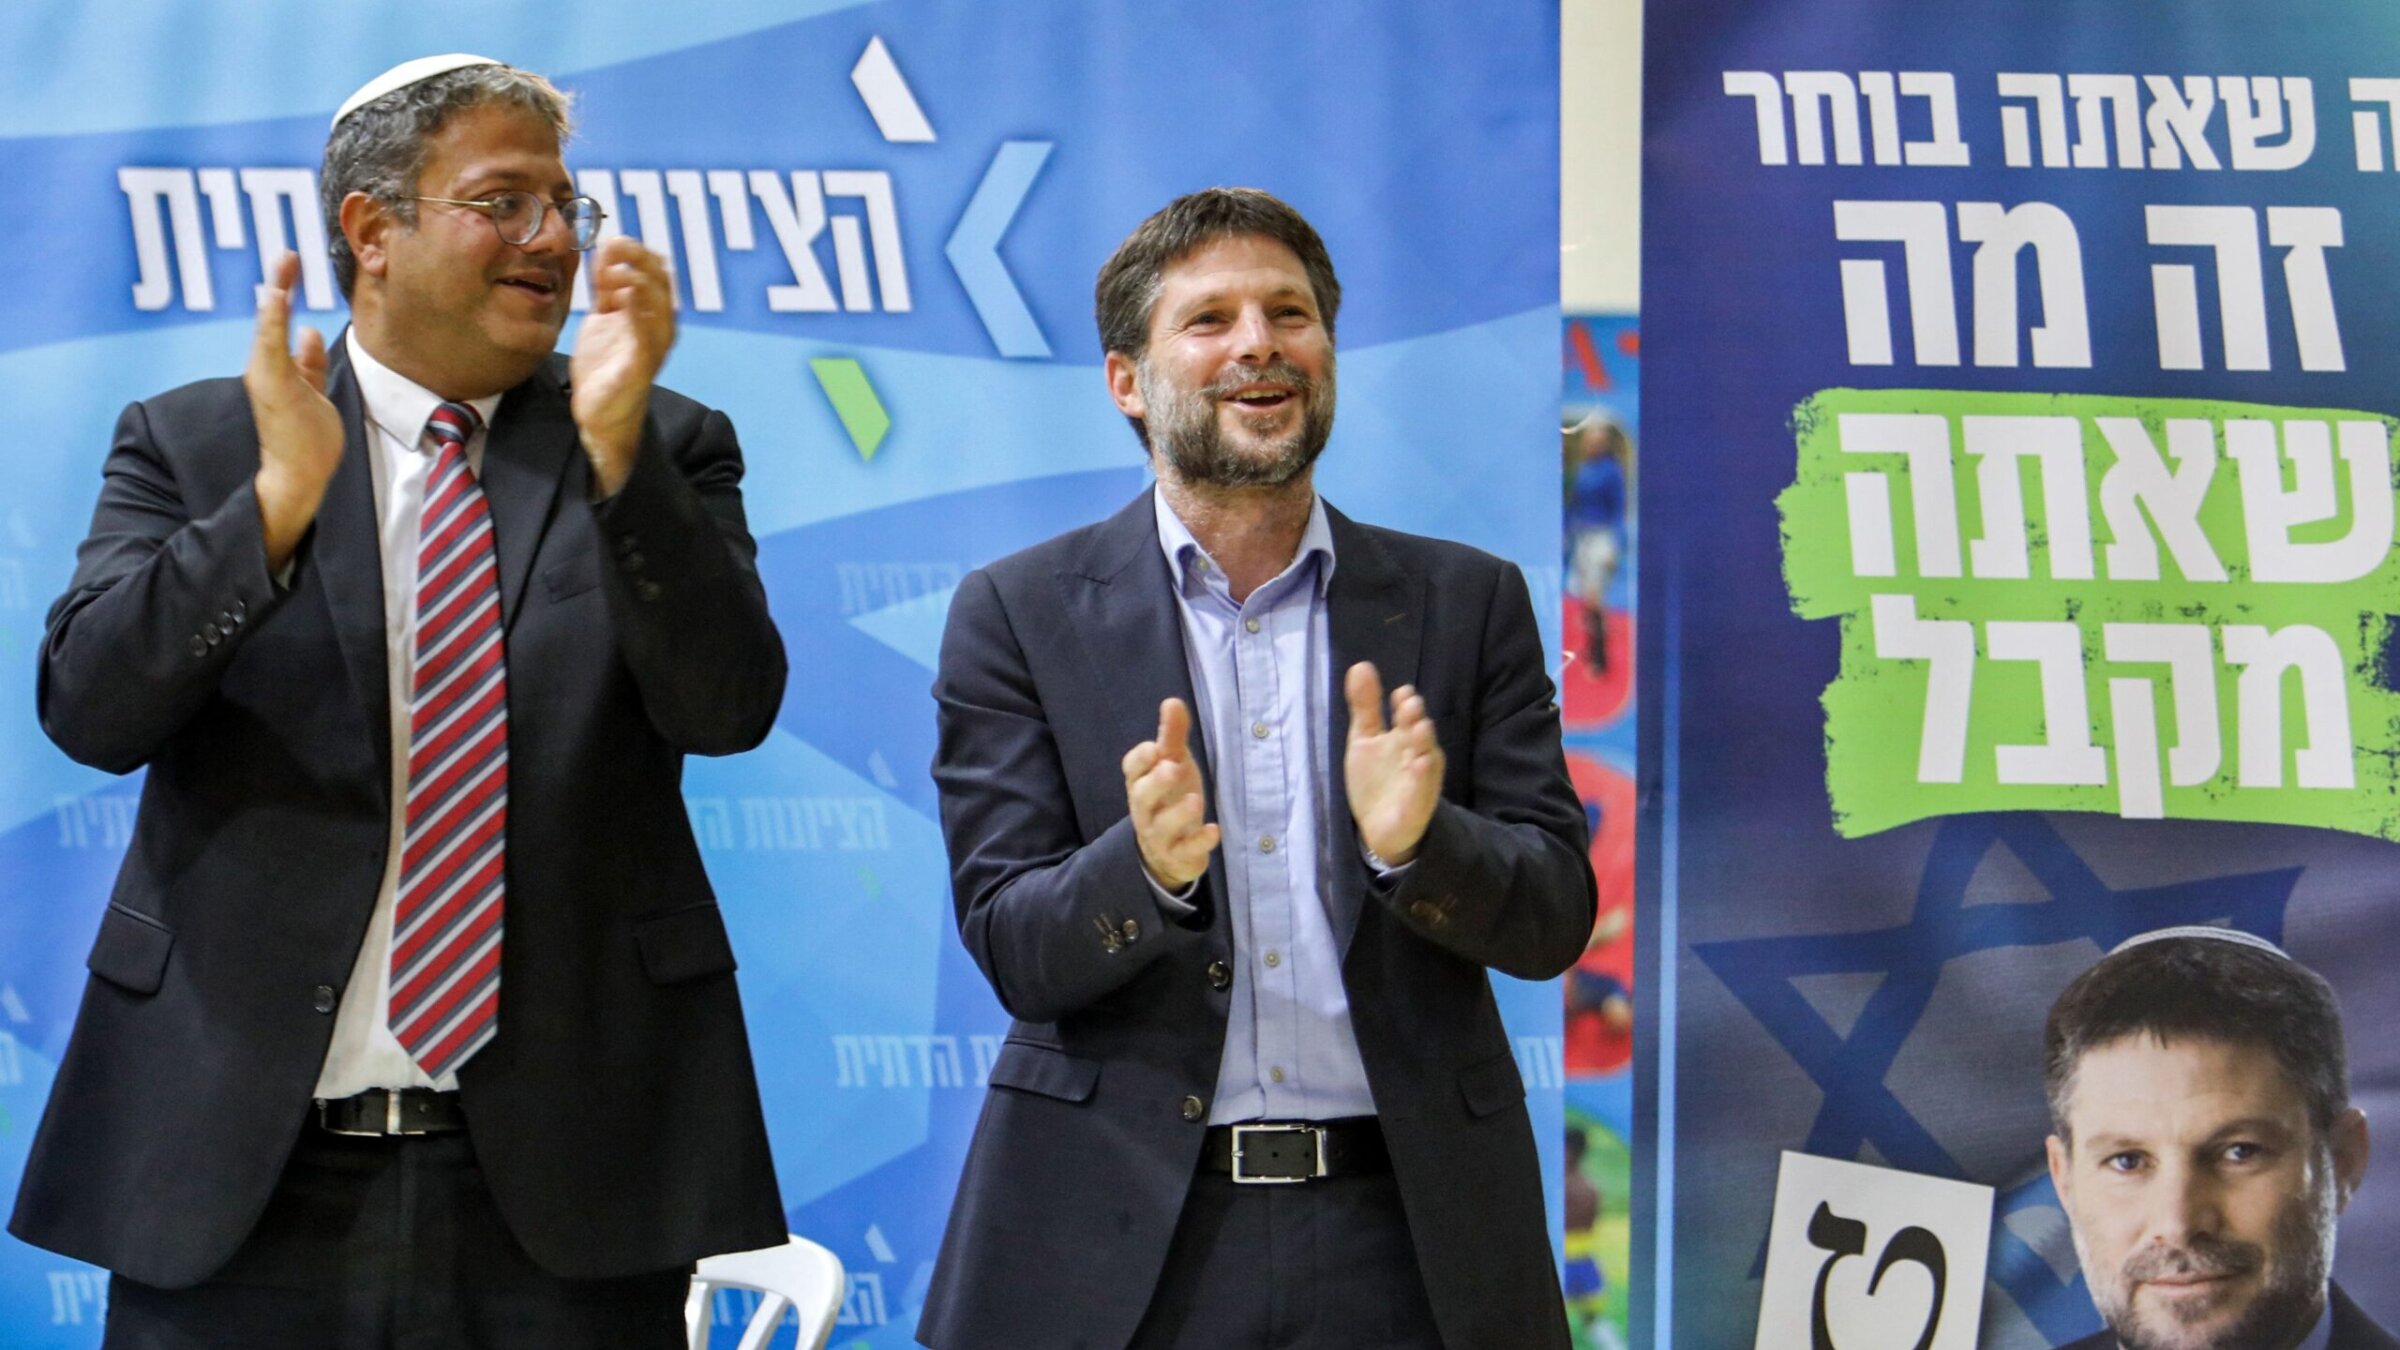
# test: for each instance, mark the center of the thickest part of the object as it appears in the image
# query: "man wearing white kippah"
(411, 1020)
(2204, 1146)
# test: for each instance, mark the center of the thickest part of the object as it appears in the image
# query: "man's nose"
(1254, 337)
(2190, 1203)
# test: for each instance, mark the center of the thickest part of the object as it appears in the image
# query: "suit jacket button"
(649, 590)
(199, 645)
(634, 562)
(1194, 1108)
(240, 611)
(1427, 913)
(1220, 976)
(1132, 929)
(213, 633)
(322, 999)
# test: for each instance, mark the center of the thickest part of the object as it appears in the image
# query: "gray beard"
(1183, 429)
(2282, 1312)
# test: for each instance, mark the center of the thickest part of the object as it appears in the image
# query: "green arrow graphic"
(853, 399)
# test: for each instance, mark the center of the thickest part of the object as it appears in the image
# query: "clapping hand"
(1394, 773)
(1168, 802)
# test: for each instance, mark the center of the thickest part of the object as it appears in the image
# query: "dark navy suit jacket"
(1052, 667)
(615, 1115)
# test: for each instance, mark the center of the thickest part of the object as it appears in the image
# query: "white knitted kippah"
(405, 74)
(2196, 930)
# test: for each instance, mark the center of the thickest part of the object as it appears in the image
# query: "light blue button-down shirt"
(1261, 674)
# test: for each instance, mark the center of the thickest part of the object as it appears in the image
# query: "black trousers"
(392, 1244)
(1324, 1265)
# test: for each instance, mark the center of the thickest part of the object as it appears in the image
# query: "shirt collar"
(1183, 551)
(396, 403)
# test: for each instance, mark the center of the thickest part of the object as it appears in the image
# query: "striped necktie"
(445, 992)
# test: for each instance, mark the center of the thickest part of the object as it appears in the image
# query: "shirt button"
(1194, 1108)
(1251, 624)
(1259, 729)
(321, 998)
(1276, 1073)
(1274, 959)
(1266, 843)
(1220, 976)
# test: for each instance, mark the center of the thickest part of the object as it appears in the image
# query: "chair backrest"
(797, 1275)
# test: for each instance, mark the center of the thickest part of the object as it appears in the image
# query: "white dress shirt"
(365, 1054)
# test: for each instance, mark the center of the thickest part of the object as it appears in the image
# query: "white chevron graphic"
(887, 97)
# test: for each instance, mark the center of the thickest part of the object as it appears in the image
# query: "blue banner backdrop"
(1859, 902)
(885, 219)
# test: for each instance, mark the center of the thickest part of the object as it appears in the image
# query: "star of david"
(1850, 1070)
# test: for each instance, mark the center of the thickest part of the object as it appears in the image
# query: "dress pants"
(392, 1244)
(1321, 1265)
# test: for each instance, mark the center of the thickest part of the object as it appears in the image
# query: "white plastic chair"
(799, 1274)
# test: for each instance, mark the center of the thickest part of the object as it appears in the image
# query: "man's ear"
(1123, 387)
(2350, 1149)
(368, 222)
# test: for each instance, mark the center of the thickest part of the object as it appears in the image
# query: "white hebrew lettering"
(1948, 646)
(2178, 121)
(691, 194)
(1924, 440)
(1923, 231)
(2065, 336)
(1832, 92)
(797, 218)
(2103, 103)
(874, 188)
(2050, 108)
(151, 194)
(1766, 93)
(2270, 513)
(2056, 446)
(2140, 481)
(2066, 757)
(2327, 760)
(2231, 233)
(2374, 126)
(2251, 121)
(2308, 231)
(2189, 654)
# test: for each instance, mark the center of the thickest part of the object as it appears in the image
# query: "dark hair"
(2201, 988)
(381, 147)
(1127, 290)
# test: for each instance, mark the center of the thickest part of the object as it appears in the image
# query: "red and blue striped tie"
(445, 994)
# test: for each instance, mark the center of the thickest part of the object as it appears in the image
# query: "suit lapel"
(1120, 601)
(1374, 612)
(525, 458)
(346, 554)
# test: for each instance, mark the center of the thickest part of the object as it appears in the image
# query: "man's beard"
(1184, 430)
(2278, 1315)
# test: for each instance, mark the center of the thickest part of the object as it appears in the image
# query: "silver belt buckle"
(1242, 1135)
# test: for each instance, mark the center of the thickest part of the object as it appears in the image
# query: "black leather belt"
(379, 1112)
(1279, 1152)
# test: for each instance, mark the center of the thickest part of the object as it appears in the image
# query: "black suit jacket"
(2352, 1330)
(615, 1114)
(1052, 666)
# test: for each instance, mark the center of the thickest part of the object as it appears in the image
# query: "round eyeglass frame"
(583, 216)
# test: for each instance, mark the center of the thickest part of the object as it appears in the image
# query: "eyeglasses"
(518, 216)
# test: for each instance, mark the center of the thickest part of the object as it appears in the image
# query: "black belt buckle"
(1259, 1147)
